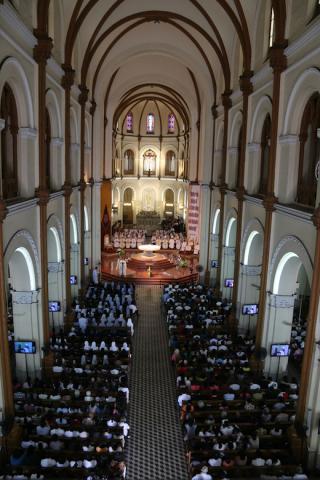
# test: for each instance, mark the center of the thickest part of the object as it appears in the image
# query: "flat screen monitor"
(54, 306)
(214, 263)
(86, 261)
(228, 282)
(250, 309)
(280, 350)
(73, 280)
(24, 346)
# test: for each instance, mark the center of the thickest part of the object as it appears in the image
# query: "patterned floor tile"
(155, 448)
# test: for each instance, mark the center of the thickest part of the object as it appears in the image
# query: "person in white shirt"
(112, 423)
(258, 461)
(57, 368)
(235, 387)
(125, 347)
(184, 397)
(83, 323)
(48, 462)
(215, 461)
(89, 463)
(42, 429)
(113, 347)
(125, 427)
(130, 325)
(204, 475)
(95, 276)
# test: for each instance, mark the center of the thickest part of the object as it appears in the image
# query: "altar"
(148, 220)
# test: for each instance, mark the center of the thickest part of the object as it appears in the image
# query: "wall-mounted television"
(229, 282)
(280, 350)
(24, 346)
(54, 306)
(250, 309)
(73, 280)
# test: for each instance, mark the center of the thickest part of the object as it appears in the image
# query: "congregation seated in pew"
(235, 421)
(73, 419)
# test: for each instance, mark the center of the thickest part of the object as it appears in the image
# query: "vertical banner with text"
(194, 212)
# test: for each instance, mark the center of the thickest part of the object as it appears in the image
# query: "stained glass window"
(129, 122)
(171, 123)
(150, 123)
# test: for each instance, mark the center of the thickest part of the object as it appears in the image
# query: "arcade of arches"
(115, 110)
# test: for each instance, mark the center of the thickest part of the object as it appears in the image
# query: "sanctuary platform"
(158, 269)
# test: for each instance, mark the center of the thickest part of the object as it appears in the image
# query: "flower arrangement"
(183, 263)
(121, 253)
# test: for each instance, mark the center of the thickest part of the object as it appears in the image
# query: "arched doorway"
(23, 313)
(55, 273)
(228, 256)
(250, 276)
(168, 203)
(288, 308)
(74, 255)
(214, 248)
(127, 216)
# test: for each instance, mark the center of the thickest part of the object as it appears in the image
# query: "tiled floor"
(155, 449)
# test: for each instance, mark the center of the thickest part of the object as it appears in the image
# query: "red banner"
(194, 212)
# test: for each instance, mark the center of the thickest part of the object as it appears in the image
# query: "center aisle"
(155, 450)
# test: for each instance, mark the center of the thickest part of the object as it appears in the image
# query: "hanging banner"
(194, 212)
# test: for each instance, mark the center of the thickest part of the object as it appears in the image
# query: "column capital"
(278, 60)
(83, 97)
(211, 185)
(67, 189)
(240, 193)
(3, 210)
(269, 201)
(43, 196)
(68, 77)
(82, 185)
(245, 83)
(42, 51)
(316, 217)
(223, 188)
(214, 111)
(226, 100)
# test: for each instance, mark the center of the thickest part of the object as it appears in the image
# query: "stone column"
(67, 82)
(246, 88)
(83, 97)
(278, 62)
(91, 180)
(226, 101)
(6, 379)
(211, 185)
(55, 283)
(310, 341)
(41, 53)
